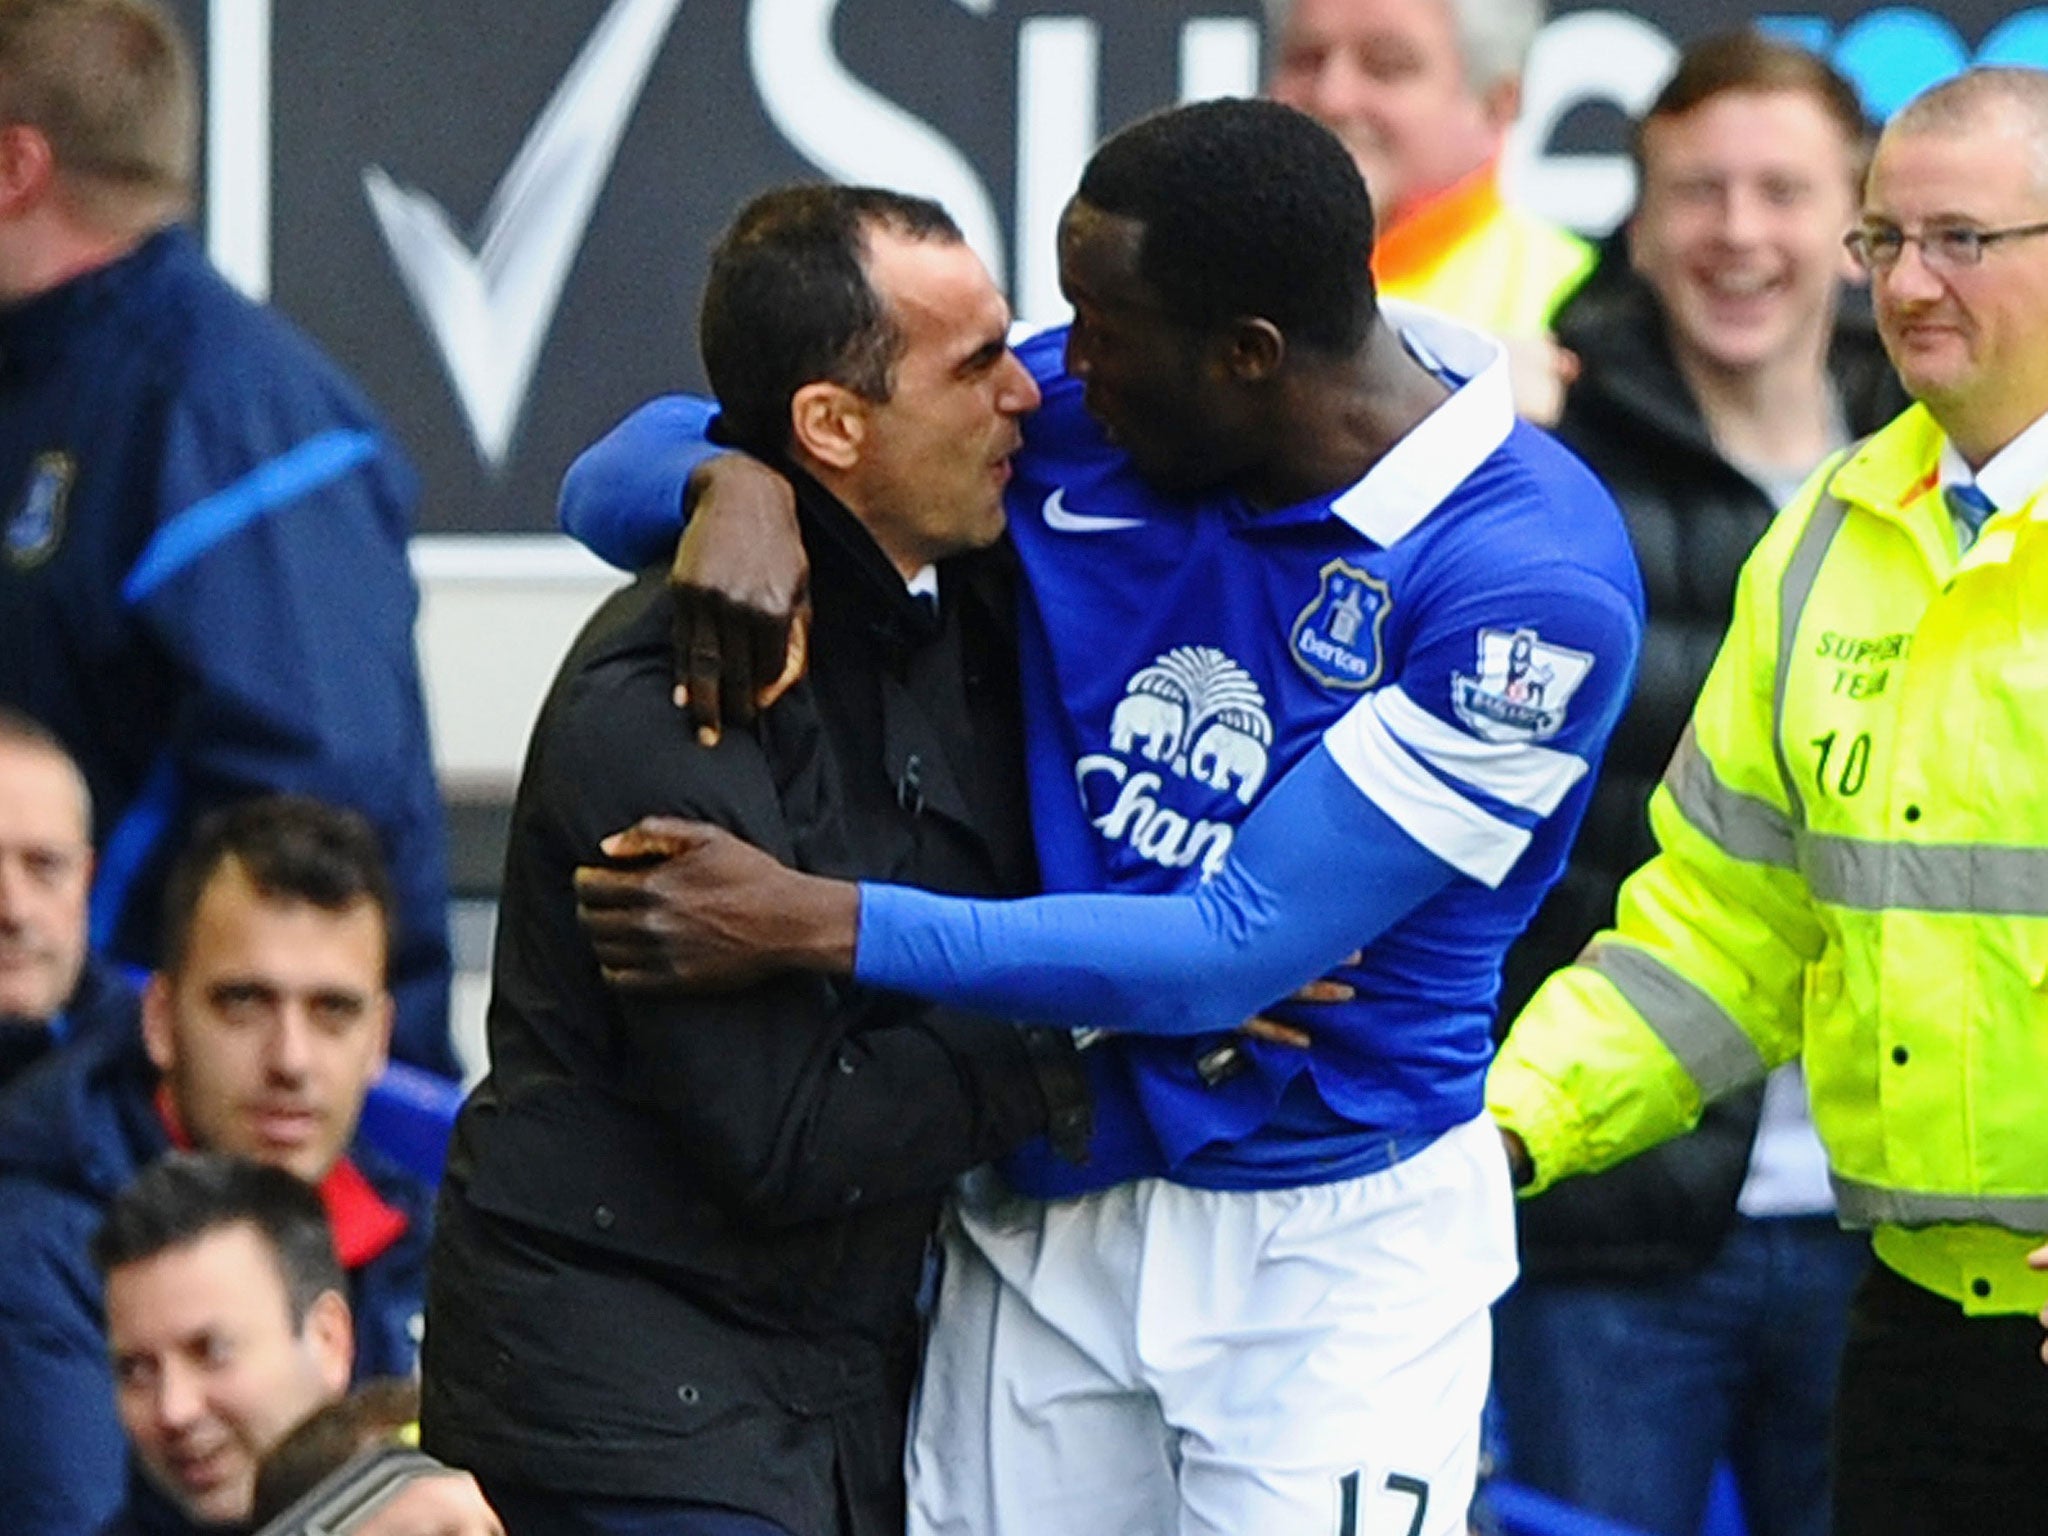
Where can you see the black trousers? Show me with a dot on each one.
(1941, 1428)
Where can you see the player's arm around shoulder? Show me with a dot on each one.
(613, 750)
(781, 1088)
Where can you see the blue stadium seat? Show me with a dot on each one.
(408, 1116)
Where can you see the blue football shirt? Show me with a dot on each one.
(1458, 629)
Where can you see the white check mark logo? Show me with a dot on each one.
(1060, 520)
(489, 312)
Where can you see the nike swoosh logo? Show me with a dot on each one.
(490, 310)
(1060, 520)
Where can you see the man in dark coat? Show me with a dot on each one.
(682, 1239)
(259, 1037)
(1688, 1306)
(204, 586)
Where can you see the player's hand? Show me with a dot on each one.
(690, 907)
(2038, 1259)
(447, 1504)
(741, 589)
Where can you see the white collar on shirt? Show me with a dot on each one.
(1448, 444)
(2011, 476)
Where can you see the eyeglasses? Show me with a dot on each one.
(1943, 247)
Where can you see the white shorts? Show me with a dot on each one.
(1154, 1360)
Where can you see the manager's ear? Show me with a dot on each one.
(828, 422)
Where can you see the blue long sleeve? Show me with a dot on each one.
(623, 497)
(1317, 871)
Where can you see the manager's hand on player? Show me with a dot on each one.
(741, 589)
(1325, 989)
(686, 906)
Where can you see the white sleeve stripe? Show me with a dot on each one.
(1519, 773)
(1470, 840)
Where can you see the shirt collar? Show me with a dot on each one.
(1415, 476)
(2012, 476)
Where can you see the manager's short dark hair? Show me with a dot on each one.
(185, 1196)
(1248, 208)
(292, 848)
(788, 303)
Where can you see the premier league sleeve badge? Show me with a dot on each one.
(1522, 686)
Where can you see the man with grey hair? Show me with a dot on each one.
(204, 589)
(50, 989)
(1423, 93)
(1853, 848)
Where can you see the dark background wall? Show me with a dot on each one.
(551, 174)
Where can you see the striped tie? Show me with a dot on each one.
(1969, 506)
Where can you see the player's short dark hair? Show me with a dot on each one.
(291, 848)
(1248, 208)
(1747, 60)
(788, 303)
(111, 85)
(185, 1196)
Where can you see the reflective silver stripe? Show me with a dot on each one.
(1981, 879)
(1741, 826)
(1702, 1034)
(1865, 1205)
(1801, 571)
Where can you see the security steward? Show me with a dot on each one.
(1853, 837)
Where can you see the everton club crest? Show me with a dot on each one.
(1337, 639)
(37, 523)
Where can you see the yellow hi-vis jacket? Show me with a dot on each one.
(1471, 255)
(1853, 869)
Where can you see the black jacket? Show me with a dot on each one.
(685, 1238)
(1693, 518)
